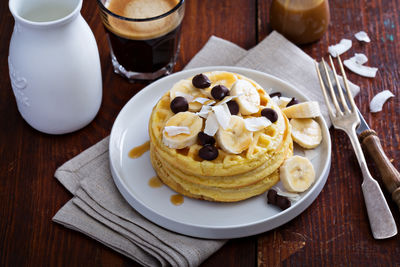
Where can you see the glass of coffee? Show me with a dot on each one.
(143, 35)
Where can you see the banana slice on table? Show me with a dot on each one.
(297, 174)
(191, 125)
(248, 97)
(308, 109)
(236, 138)
(306, 132)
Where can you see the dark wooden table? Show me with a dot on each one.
(334, 230)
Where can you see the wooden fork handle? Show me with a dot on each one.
(390, 176)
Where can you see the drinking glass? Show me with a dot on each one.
(143, 36)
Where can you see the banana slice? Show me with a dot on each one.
(248, 97)
(195, 106)
(236, 138)
(222, 77)
(186, 89)
(182, 88)
(308, 109)
(297, 174)
(191, 121)
(306, 132)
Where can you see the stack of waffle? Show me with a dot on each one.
(238, 169)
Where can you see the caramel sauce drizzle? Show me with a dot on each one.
(139, 150)
(155, 182)
(177, 199)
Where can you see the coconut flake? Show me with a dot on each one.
(188, 97)
(212, 125)
(291, 196)
(175, 130)
(200, 100)
(360, 58)
(340, 48)
(228, 98)
(256, 123)
(361, 70)
(275, 99)
(204, 111)
(210, 102)
(379, 99)
(362, 36)
(223, 115)
(281, 101)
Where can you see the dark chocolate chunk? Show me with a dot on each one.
(208, 152)
(270, 114)
(233, 107)
(271, 196)
(278, 94)
(219, 92)
(282, 202)
(205, 139)
(201, 81)
(179, 104)
(278, 200)
(292, 102)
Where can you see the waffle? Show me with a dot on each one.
(229, 177)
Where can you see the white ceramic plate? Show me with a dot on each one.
(196, 217)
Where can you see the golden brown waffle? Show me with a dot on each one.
(229, 177)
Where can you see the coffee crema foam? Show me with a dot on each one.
(141, 9)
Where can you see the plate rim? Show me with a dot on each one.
(218, 232)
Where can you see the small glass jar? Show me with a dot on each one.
(301, 21)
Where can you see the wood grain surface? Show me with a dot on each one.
(334, 230)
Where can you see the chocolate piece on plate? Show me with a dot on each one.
(271, 196)
(278, 94)
(282, 202)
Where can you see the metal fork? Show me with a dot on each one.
(344, 116)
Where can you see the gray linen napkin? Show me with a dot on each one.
(99, 211)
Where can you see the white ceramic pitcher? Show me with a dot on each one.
(54, 65)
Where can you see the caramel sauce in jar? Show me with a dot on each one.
(301, 21)
(155, 182)
(139, 150)
(177, 199)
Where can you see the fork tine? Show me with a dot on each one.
(346, 85)
(321, 82)
(343, 101)
(333, 95)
